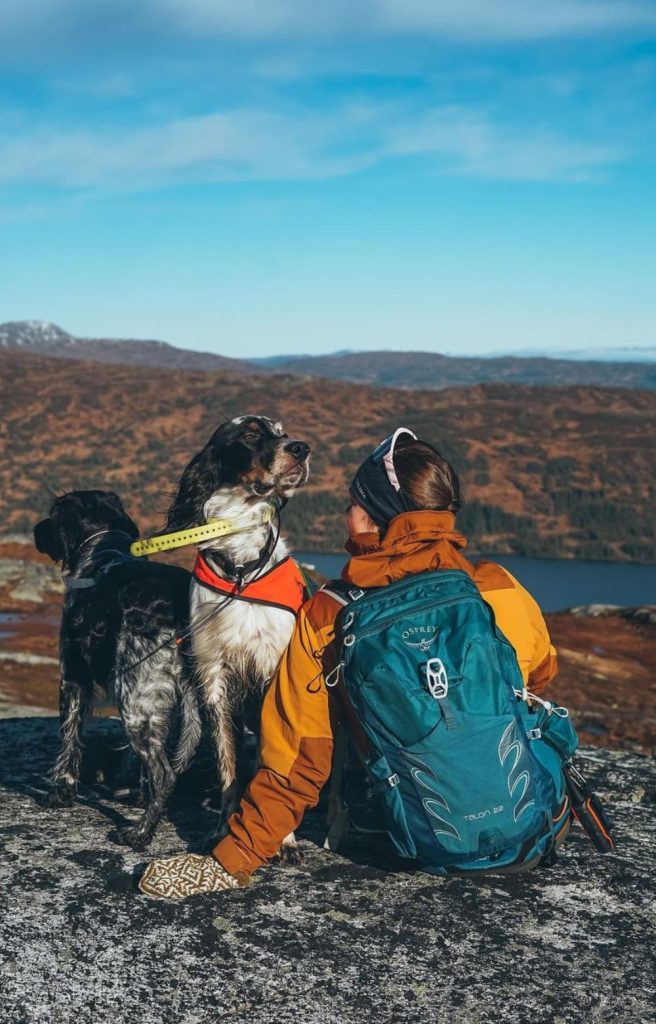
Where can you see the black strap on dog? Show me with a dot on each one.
(237, 571)
(102, 561)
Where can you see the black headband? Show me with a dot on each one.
(375, 486)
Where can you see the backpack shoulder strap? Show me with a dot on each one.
(342, 591)
(345, 594)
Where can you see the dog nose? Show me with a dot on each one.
(299, 449)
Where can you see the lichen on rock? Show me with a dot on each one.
(339, 938)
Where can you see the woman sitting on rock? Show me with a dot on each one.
(401, 521)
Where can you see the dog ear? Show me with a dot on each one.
(200, 480)
(46, 540)
(112, 498)
(127, 523)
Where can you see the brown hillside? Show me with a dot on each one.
(547, 471)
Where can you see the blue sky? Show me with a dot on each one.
(284, 176)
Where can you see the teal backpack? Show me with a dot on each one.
(468, 766)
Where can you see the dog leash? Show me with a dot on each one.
(168, 541)
(196, 534)
(189, 632)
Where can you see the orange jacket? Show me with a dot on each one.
(296, 739)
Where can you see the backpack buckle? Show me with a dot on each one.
(356, 594)
(534, 734)
(436, 678)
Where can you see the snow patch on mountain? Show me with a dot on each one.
(33, 334)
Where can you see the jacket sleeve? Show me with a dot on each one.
(541, 663)
(547, 668)
(296, 745)
(519, 618)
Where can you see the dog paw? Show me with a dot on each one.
(127, 795)
(135, 838)
(288, 856)
(59, 796)
(212, 801)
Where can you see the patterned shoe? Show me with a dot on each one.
(186, 875)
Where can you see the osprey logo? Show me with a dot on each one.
(420, 637)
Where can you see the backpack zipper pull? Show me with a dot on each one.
(332, 678)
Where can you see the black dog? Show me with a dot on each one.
(119, 628)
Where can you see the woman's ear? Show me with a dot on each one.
(46, 540)
(200, 480)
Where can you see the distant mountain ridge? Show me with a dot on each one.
(406, 370)
(412, 370)
(617, 354)
(42, 338)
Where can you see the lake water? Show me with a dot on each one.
(555, 584)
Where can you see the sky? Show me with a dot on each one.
(280, 176)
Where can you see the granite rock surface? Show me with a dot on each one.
(339, 938)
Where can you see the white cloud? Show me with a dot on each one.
(462, 19)
(116, 85)
(513, 19)
(304, 144)
(474, 146)
(265, 18)
(232, 146)
(78, 20)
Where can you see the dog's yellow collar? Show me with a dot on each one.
(195, 535)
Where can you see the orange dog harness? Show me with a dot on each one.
(283, 586)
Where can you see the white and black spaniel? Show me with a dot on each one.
(245, 590)
(120, 623)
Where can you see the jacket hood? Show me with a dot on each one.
(414, 542)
